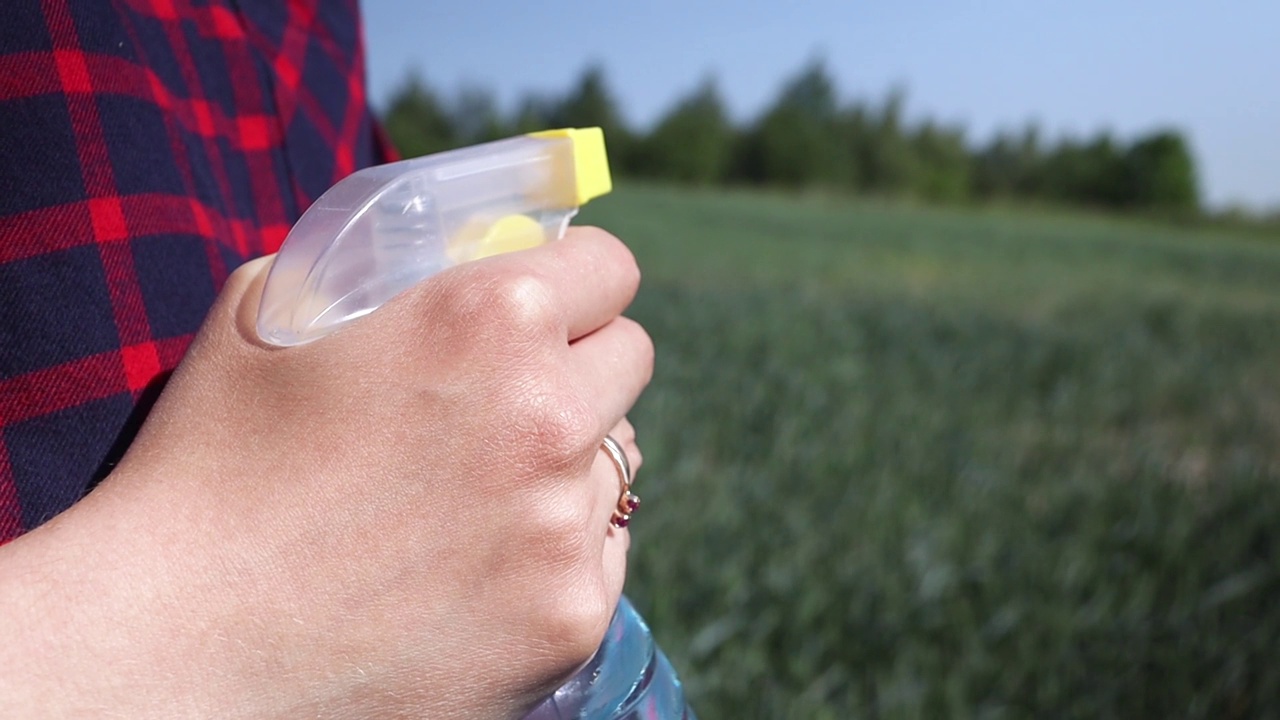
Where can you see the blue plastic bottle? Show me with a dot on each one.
(628, 679)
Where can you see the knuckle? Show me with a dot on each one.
(559, 529)
(558, 429)
(500, 305)
(580, 620)
(519, 301)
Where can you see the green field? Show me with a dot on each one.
(917, 463)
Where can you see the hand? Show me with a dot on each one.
(409, 517)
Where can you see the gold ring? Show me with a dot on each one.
(627, 503)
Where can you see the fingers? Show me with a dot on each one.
(600, 278)
(614, 363)
(590, 275)
(614, 558)
(613, 366)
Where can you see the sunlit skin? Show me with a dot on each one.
(407, 518)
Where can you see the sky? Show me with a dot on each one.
(1210, 69)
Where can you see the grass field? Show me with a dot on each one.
(917, 463)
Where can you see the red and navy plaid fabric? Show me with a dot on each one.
(147, 148)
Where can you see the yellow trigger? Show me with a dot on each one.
(508, 234)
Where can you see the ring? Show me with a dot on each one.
(627, 503)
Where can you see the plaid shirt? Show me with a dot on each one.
(147, 148)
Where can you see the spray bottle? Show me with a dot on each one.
(384, 229)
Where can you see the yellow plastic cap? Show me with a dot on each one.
(590, 161)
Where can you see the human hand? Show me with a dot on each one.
(409, 517)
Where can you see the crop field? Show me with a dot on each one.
(915, 463)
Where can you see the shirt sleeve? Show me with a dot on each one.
(146, 150)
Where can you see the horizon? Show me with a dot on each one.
(1194, 74)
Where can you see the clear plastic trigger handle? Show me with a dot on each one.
(386, 228)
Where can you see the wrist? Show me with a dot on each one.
(112, 608)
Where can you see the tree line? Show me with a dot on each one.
(808, 138)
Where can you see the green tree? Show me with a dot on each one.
(1010, 166)
(797, 142)
(806, 138)
(534, 113)
(692, 143)
(889, 163)
(811, 93)
(592, 104)
(1161, 173)
(944, 166)
(416, 121)
(855, 130)
(475, 116)
(1087, 173)
(1030, 176)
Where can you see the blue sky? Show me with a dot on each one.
(1210, 69)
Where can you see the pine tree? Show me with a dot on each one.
(416, 121)
(692, 143)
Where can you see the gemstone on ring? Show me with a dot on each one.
(627, 504)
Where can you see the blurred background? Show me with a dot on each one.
(968, 327)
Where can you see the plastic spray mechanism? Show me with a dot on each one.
(387, 228)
